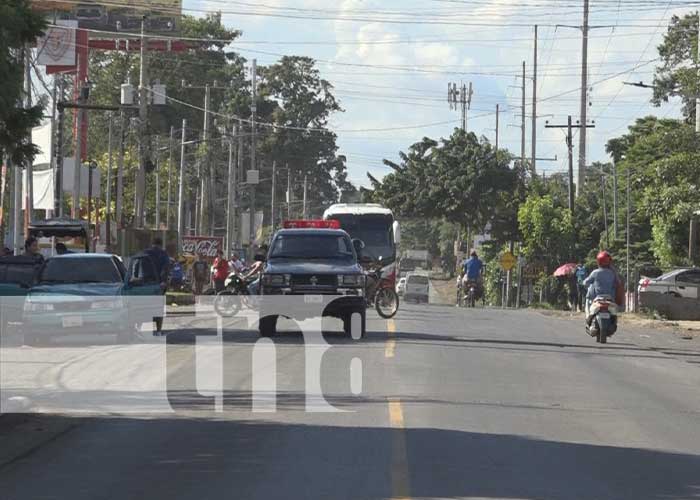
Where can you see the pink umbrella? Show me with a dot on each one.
(565, 270)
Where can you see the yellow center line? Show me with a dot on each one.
(400, 486)
(391, 341)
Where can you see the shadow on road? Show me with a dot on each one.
(178, 458)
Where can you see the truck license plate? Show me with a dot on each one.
(313, 299)
(72, 321)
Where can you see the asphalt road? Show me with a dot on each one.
(450, 403)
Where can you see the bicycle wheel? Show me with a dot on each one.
(386, 302)
(227, 303)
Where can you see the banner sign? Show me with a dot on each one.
(57, 46)
(208, 246)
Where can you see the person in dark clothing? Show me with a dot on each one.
(62, 249)
(199, 274)
(31, 249)
(162, 263)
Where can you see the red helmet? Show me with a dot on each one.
(604, 259)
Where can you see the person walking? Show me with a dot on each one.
(220, 271)
(161, 261)
(581, 274)
(199, 274)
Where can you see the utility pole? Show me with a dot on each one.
(534, 107)
(697, 99)
(305, 206)
(58, 151)
(143, 131)
(17, 205)
(498, 114)
(584, 101)
(29, 201)
(570, 147)
(82, 91)
(170, 175)
(231, 195)
(605, 209)
(181, 189)
(240, 178)
(615, 198)
(108, 208)
(120, 173)
(522, 130)
(289, 193)
(274, 187)
(157, 182)
(627, 222)
(253, 143)
(205, 195)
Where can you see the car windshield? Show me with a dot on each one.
(312, 246)
(374, 231)
(418, 280)
(79, 270)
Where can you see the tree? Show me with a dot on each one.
(547, 229)
(459, 178)
(19, 26)
(677, 75)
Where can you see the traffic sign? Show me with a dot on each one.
(508, 261)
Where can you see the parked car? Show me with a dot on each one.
(17, 275)
(401, 287)
(417, 288)
(679, 283)
(91, 293)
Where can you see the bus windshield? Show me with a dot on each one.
(374, 230)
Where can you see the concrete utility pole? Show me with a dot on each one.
(240, 178)
(534, 108)
(305, 206)
(498, 114)
(605, 209)
(697, 99)
(253, 142)
(75, 211)
(59, 156)
(289, 193)
(614, 172)
(170, 175)
(143, 131)
(570, 147)
(627, 222)
(118, 209)
(29, 201)
(181, 188)
(230, 196)
(52, 145)
(108, 208)
(157, 162)
(522, 130)
(205, 227)
(274, 187)
(584, 101)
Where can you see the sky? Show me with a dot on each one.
(390, 63)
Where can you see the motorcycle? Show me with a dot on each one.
(472, 292)
(602, 318)
(381, 294)
(228, 301)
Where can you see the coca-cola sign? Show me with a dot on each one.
(208, 246)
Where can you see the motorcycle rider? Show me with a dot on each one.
(472, 270)
(602, 281)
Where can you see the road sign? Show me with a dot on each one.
(508, 261)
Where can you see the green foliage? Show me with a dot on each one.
(19, 26)
(547, 230)
(459, 178)
(677, 74)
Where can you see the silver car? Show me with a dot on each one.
(679, 283)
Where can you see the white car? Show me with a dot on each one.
(401, 287)
(679, 283)
(417, 288)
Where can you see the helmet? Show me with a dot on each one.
(604, 259)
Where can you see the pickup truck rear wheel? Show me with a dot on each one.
(347, 324)
(267, 326)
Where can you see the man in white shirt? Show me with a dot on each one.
(235, 263)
